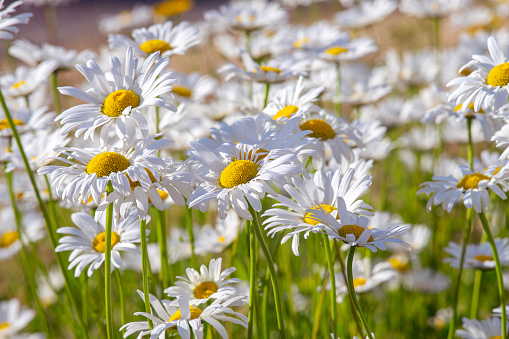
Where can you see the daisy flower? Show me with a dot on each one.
(117, 98)
(308, 39)
(216, 239)
(26, 120)
(476, 329)
(478, 256)
(308, 192)
(501, 138)
(341, 51)
(488, 84)
(7, 22)
(193, 86)
(426, 280)
(353, 229)
(87, 241)
(164, 38)
(366, 13)
(13, 317)
(472, 186)
(33, 230)
(432, 8)
(207, 284)
(185, 318)
(25, 80)
(235, 173)
(93, 168)
(139, 15)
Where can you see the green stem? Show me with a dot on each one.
(470, 148)
(474, 309)
(332, 278)
(337, 105)
(273, 277)
(107, 265)
(466, 237)
(144, 260)
(189, 225)
(252, 280)
(267, 88)
(498, 269)
(121, 297)
(319, 310)
(54, 90)
(352, 292)
(160, 219)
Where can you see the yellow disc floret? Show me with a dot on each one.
(336, 50)
(19, 84)
(266, 69)
(4, 326)
(8, 238)
(4, 124)
(195, 314)
(359, 282)
(353, 229)
(237, 173)
(100, 241)
(321, 129)
(116, 102)
(483, 257)
(205, 290)
(286, 112)
(499, 75)
(173, 7)
(496, 337)
(300, 42)
(471, 181)
(399, 264)
(183, 91)
(156, 45)
(104, 164)
(326, 208)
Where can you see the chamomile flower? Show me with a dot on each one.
(476, 329)
(366, 13)
(185, 317)
(353, 229)
(25, 80)
(87, 241)
(487, 85)
(306, 193)
(346, 51)
(308, 39)
(426, 280)
(478, 256)
(93, 168)
(501, 138)
(26, 120)
(216, 239)
(235, 173)
(13, 317)
(472, 187)
(8, 22)
(193, 87)
(117, 98)
(166, 39)
(209, 283)
(10, 242)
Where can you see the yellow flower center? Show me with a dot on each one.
(319, 128)
(300, 42)
(499, 75)
(221, 239)
(266, 69)
(336, 50)
(398, 264)
(116, 102)
(358, 282)
(439, 323)
(8, 238)
(470, 107)
(156, 45)
(183, 91)
(173, 7)
(4, 124)
(353, 229)
(3, 326)
(237, 173)
(496, 337)
(100, 241)
(195, 314)
(483, 257)
(471, 181)
(241, 18)
(19, 84)
(286, 112)
(103, 164)
(205, 290)
(326, 208)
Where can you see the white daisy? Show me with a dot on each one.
(193, 86)
(488, 84)
(26, 120)
(341, 51)
(216, 239)
(366, 13)
(432, 8)
(164, 38)
(93, 168)
(235, 173)
(308, 39)
(308, 192)
(472, 186)
(480, 329)
(426, 280)
(13, 317)
(7, 21)
(501, 138)
(200, 287)
(139, 15)
(87, 241)
(32, 230)
(117, 98)
(25, 80)
(478, 256)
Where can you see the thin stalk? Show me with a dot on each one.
(252, 280)
(107, 265)
(51, 204)
(160, 219)
(474, 309)
(498, 269)
(144, 260)
(272, 269)
(319, 310)
(248, 50)
(189, 225)
(352, 292)
(337, 105)
(330, 264)
(84, 303)
(455, 300)
(54, 90)
(470, 148)
(267, 88)
(121, 297)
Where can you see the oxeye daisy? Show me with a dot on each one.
(87, 241)
(489, 328)
(13, 317)
(217, 239)
(366, 13)
(25, 80)
(234, 173)
(26, 120)
(185, 317)
(472, 186)
(426, 280)
(10, 242)
(91, 169)
(308, 192)
(487, 85)
(7, 21)
(478, 256)
(209, 283)
(117, 98)
(193, 87)
(341, 51)
(353, 229)
(166, 39)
